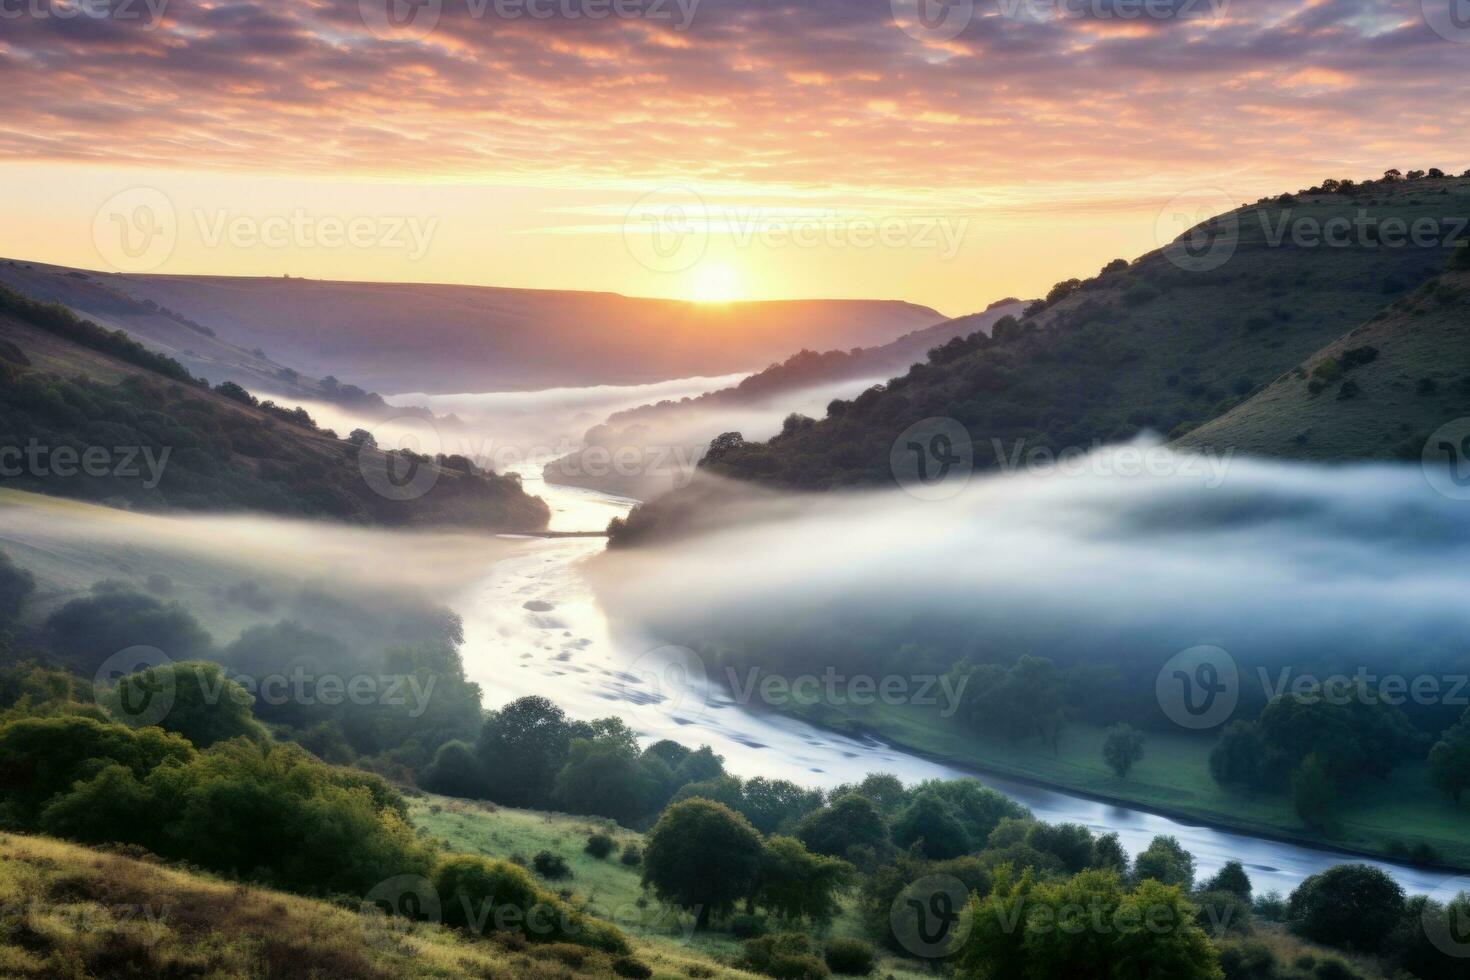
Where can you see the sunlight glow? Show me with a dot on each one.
(714, 282)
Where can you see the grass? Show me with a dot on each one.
(609, 889)
(70, 911)
(1174, 778)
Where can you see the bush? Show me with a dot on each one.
(850, 957)
(747, 926)
(551, 866)
(785, 956)
(1353, 906)
(632, 857)
(599, 845)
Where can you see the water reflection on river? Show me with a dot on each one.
(535, 627)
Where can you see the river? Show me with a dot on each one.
(534, 626)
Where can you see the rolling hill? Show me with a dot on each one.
(1165, 343)
(405, 337)
(1374, 393)
(93, 415)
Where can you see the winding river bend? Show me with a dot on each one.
(534, 626)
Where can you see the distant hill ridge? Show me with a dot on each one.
(446, 339)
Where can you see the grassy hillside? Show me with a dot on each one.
(71, 911)
(1164, 343)
(1376, 392)
(197, 346)
(609, 887)
(165, 441)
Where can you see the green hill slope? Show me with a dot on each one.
(75, 911)
(1173, 339)
(1374, 393)
(91, 414)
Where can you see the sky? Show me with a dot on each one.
(945, 153)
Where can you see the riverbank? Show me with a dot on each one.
(1173, 780)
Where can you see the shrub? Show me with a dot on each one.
(785, 956)
(550, 866)
(1354, 906)
(632, 857)
(850, 957)
(748, 926)
(599, 845)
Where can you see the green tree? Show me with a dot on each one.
(16, 585)
(773, 805)
(88, 630)
(847, 822)
(1165, 861)
(702, 857)
(455, 771)
(979, 807)
(1353, 906)
(1449, 760)
(1122, 748)
(205, 706)
(1313, 791)
(522, 747)
(603, 776)
(1231, 878)
(795, 883)
(41, 758)
(932, 824)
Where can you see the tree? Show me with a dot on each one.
(16, 585)
(1086, 926)
(603, 776)
(88, 630)
(699, 765)
(1122, 747)
(455, 771)
(776, 804)
(702, 857)
(979, 807)
(1108, 853)
(1165, 861)
(1069, 843)
(205, 707)
(1449, 760)
(933, 825)
(522, 747)
(724, 444)
(1238, 757)
(794, 883)
(1351, 905)
(1313, 791)
(847, 822)
(1231, 878)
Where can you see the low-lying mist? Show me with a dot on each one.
(1288, 565)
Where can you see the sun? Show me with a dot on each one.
(714, 282)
